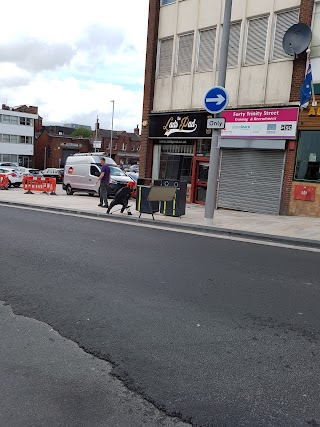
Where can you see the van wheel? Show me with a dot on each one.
(69, 190)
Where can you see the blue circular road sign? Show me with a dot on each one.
(216, 100)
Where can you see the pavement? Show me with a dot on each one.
(216, 332)
(48, 381)
(296, 230)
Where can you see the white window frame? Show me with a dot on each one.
(159, 55)
(198, 45)
(189, 33)
(285, 57)
(246, 40)
(239, 46)
(166, 4)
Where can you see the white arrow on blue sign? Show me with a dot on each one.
(216, 100)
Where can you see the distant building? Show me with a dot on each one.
(58, 130)
(55, 144)
(17, 131)
(125, 145)
(77, 126)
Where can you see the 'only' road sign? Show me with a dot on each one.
(216, 123)
(216, 100)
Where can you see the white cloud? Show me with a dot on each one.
(71, 59)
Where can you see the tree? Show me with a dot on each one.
(85, 133)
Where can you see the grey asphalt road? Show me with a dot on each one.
(47, 381)
(217, 332)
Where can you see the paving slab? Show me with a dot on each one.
(299, 228)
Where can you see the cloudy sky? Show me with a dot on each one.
(71, 58)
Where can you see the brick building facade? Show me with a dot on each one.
(149, 83)
(299, 70)
(52, 148)
(125, 148)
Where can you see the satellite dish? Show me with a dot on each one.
(297, 39)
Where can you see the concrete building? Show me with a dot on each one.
(17, 134)
(263, 83)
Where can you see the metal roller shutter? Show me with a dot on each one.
(251, 180)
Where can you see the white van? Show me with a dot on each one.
(82, 170)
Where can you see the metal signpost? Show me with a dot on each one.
(214, 99)
(112, 118)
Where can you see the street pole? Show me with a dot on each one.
(111, 139)
(45, 158)
(211, 197)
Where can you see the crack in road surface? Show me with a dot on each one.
(48, 381)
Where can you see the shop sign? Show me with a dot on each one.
(96, 144)
(172, 141)
(270, 123)
(305, 193)
(70, 145)
(179, 125)
(314, 112)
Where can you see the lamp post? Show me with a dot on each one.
(216, 134)
(111, 138)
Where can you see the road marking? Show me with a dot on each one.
(175, 230)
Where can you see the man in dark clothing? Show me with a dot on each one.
(104, 179)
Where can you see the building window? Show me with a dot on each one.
(14, 120)
(256, 41)
(5, 118)
(308, 157)
(185, 54)
(5, 138)
(132, 148)
(138, 148)
(14, 139)
(284, 21)
(124, 147)
(165, 57)
(25, 140)
(165, 2)
(234, 45)
(115, 146)
(207, 40)
(26, 121)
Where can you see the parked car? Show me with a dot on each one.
(83, 170)
(118, 179)
(134, 168)
(14, 175)
(133, 175)
(9, 164)
(53, 173)
(36, 173)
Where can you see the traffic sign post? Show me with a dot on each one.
(216, 100)
(215, 104)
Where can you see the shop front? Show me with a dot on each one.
(305, 195)
(181, 150)
(253, 152)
